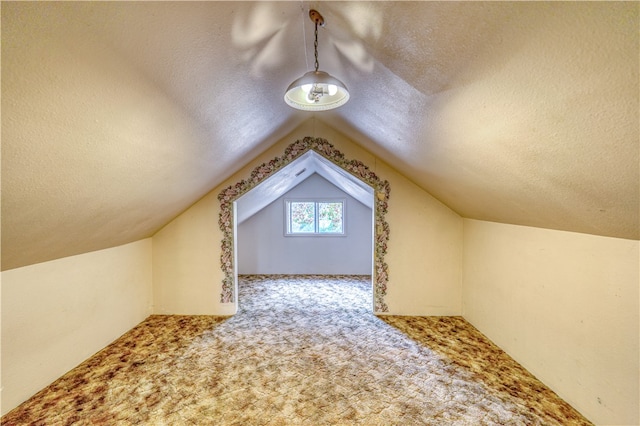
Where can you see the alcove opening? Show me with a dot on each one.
(309, 158)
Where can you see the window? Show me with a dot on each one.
(314, 217)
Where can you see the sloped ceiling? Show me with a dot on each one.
(292, 175)
(117, 116)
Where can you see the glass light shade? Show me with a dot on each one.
(314, 92)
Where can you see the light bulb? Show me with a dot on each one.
(333, 89)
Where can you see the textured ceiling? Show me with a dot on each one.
(116, 116)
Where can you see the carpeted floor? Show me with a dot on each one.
(303, 350)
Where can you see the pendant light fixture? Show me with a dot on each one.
(316, 90)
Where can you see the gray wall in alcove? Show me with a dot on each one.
(263, 247)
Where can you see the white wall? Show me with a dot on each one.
(263, 247)
(565, 306)
(57, 314)
(424, 259)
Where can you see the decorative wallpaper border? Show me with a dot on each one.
(322, 147)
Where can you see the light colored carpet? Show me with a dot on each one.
(303, 350)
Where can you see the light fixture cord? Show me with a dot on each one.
(304, 37)
(315, 46)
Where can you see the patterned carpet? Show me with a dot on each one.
(302, 350)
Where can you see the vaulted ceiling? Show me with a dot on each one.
(292, 175)
(117, 116)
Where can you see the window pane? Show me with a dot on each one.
(330, 217)
(302, 217)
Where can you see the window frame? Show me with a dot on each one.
(316, 233)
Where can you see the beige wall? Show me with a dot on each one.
(187, 278)
(56, 314)
(425, 251)
(565, 306)
(424, 259)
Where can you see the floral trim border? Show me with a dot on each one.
(322, 147)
